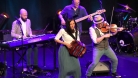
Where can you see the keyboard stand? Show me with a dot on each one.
(21, 55)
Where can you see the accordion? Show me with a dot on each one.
(77, 50)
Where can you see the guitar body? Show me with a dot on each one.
(77, 50)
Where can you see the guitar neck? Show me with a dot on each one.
(83, 18)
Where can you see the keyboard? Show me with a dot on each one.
(30, 40)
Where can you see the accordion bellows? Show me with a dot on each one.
(77, 50)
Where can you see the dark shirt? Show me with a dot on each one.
(69, 12)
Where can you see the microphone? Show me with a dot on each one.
(100, 1)
(18, 21)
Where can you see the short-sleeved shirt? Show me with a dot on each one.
(70, 12)
(65, 36)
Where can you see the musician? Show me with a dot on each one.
(73, 10)
(16, 33)
(101, 46)
(68, 65)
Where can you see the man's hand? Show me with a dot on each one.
(107, 35)
(20, 37)
(32, 35)
(120, 29)
(24, 37)
(83, 45)
(90, 17)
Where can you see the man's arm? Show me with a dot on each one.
(14, 30)
(63, 12)
(62, 19)
(99, 39)
(94, 37)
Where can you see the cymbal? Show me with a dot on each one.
(126, 7)
(121, 10)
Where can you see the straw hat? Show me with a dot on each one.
(98, 19)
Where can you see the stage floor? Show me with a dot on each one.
(127, 66)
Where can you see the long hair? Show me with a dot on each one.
(68, 28)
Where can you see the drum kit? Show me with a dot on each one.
(127, 40)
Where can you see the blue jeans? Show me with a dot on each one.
(97, 54)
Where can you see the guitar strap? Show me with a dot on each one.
(78, 10)
(77, 14)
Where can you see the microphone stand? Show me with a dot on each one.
(102, 8)
(20, 25)
(45, 28)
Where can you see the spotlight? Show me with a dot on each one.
(3, 19)
(59, 11)
(127, 7)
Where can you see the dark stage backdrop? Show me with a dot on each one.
(43, 12)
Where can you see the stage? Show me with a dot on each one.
(127, 66)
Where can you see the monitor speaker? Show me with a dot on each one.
(102, 68)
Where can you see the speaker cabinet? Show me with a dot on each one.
(102, 68)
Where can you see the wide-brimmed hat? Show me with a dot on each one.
(98, 19)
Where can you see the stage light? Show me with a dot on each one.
(59, 11)
(126, 7)
(5, 15)
(3, 19)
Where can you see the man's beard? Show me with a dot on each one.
(24, 20)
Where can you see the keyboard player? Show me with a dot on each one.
(16, 33)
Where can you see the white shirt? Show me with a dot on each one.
(23, 27)
(65, 36)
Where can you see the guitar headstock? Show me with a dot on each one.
(100, 11)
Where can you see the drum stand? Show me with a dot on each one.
(135, 51)
(120, 19)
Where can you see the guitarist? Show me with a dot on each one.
(74, 11)
(68, 65)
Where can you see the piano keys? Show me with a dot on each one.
(28, 41)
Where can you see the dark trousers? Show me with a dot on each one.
(32, 49)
